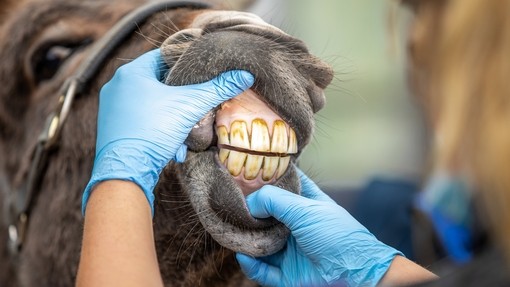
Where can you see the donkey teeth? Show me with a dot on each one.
(223, 154)
(270, 166)
(260, 140)
(279, 141)
(292, 149)
(222, 133)
(252, 166)
(282, 166)
(235, 162)
(239, 135)
(223, 139)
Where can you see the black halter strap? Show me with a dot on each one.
(21, 200)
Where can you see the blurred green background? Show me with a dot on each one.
(370, 126)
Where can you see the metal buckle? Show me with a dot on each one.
(68, 91)
(17, 233)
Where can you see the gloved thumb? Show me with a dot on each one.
(180, 155)
(150, 65)
(281, 204)
(258, 271)
(201, 98)
(230, 84)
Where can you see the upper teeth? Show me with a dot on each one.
(271, 149)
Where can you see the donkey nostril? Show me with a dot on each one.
(254, 143)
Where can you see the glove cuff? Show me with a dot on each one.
(372, 275)
(121, 162)
(372, 261)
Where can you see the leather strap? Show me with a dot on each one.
(21, 200)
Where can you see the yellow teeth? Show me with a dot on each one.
(292, 142)
(235, 162)
(252, 166)
(282, 166)
(223, 137)
(239, 135)
(260, 140)
(279, 141)
(282, 141)
(270, 166)
(223, 154)
(223, 140)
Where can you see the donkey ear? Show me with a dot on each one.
(240, 5)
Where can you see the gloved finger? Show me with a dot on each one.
(256, 270)
(281, 204)
(228, 85)
(310, 190)
(201, 98)
(180, 155)
(149, 65)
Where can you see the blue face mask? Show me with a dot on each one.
(446, 199)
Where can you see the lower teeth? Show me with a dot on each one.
(253, 165)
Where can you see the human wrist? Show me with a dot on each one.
(404, 272)
(117, 234)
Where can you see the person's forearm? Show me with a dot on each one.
(403, 272)
(118, 242)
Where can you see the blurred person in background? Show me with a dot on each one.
(459, 63)
(458, 67)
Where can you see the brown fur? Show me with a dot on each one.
(188, 256)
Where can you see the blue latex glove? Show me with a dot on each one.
(142, 123)
(327, 246)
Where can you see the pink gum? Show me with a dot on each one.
(250, 186)
(246, 107)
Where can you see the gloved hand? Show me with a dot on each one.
(327, 246)
(142, 123)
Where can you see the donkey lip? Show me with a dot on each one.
(222, 209)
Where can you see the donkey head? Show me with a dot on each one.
(253, 139)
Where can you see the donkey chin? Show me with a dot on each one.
(253, 139)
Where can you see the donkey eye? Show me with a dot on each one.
(48, 60)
